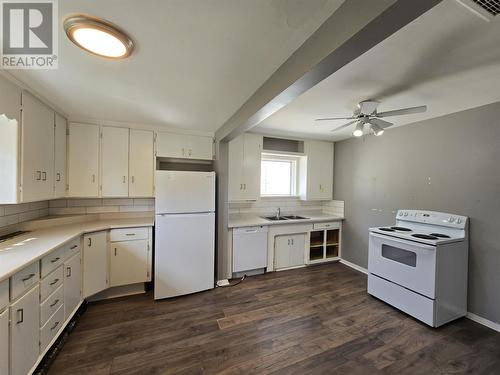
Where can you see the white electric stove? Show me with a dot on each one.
(419, 265)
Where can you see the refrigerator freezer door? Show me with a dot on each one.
(184, 192)
(184, 254)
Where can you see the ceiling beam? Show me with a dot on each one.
(354, 28)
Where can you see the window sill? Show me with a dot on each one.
(278, 197)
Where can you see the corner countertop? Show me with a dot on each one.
(23, 250)
(249, 220)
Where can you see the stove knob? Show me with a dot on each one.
(406, 213)
(400, 213)
(451, 219)
(459, 221)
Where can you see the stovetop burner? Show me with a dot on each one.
(402, 229)
(424, 236)
(387, 229)
(440, 235)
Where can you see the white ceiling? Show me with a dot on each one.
(196, 61)
(448, 59)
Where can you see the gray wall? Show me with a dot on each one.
(450, 164)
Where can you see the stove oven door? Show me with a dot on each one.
(407, 263)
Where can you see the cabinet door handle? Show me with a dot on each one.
(124, 179)
(54, 282)
(58, 177)
(129, 234)
(68, 271)
(20, 316)
(54, 303)
(115, 251)
(93, 178)
(55, 260)
(44, 176)
(133, 179)
(54, 326)
(73, 247)
(244, 186)
(90, 241)
(288, 242)
(183, 153)
(190, 151)
(38, 175)
(31, 275)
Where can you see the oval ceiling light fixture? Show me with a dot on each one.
(99, 37)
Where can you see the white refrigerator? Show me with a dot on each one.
(184, 233)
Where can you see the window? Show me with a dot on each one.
(278, 175)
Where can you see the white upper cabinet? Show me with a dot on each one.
(316, 171)
(181, 146)
(10, 131)
(114, 162)
(244, 167)
(83, 160)
(37, 150)
(141, 163)
(60, 156)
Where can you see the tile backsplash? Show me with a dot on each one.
(77, 206)
(287, 205)
(17, 213)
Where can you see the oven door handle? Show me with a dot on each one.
(419, 245)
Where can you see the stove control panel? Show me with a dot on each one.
(432, 217)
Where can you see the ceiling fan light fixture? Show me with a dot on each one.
(98, 36)
(377, 130)
(358, 131)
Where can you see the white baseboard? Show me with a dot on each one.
(484, 321)
(476, 318)
(354, 266)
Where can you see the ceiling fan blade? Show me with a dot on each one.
(334, 118)
(368, 107)
(403, 111)
(383, 124)
(344, 126)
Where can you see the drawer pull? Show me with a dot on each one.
(31, 275)
(129, 234)
(20, 316)
(55, 260)
(73, 247)
(54, 282)
(55, 303)
(68, 271)
(54, 326)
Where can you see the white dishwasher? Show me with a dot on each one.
(249, 248)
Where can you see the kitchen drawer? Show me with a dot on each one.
(53, 260)
(330, 225)
(4, 294)
(24, 279)
(50, 283)
(51, 305)
(72, 247)
(128, 234)
(49, 330)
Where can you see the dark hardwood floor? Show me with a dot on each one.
(315, 320)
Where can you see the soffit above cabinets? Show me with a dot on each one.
(447, 59)
(195, 63)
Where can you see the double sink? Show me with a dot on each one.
(286, 217)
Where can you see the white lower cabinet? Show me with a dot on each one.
(289, 250)
(4, 342)
(24, 332)
(128, 262)
(49, 330)
(95, 263)
(130, 256)
(72, 284)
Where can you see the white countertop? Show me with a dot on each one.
(23, 250)
(249, 220)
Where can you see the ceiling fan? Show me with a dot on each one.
(366, 113)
